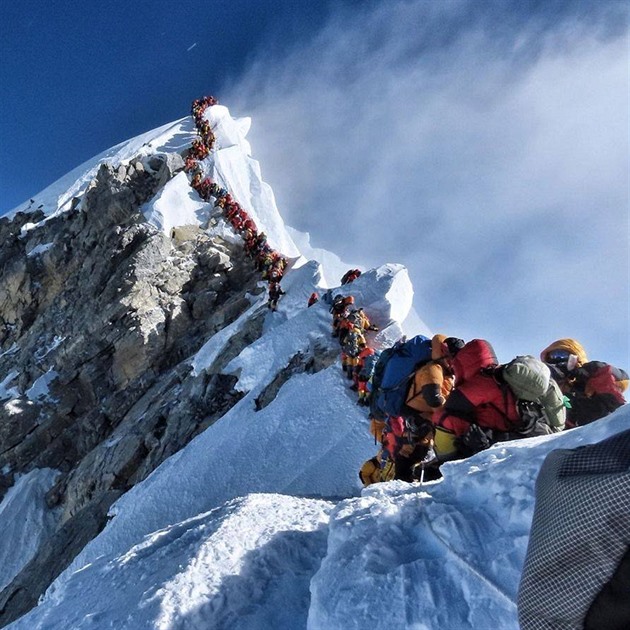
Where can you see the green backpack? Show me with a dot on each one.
(539, 397)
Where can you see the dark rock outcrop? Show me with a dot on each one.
(99, 315)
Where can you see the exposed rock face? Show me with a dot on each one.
(98, 313)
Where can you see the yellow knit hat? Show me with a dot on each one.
(570, 345)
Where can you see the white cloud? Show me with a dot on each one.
(502, 150)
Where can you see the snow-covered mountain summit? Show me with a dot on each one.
(175, 455)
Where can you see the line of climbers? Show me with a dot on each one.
(431, 400)
(440, 399)
(268, 261)
(350, 276)
(350, 326)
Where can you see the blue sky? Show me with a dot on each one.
(80, 77)
(482, 144)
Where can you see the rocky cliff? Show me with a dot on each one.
(98, 312)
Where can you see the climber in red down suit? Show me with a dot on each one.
(478, 399)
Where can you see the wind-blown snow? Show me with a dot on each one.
(332, 270)
(261, 520)
(333, 266)
(233, 167)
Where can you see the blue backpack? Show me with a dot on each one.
(393, 371)
(369, 365)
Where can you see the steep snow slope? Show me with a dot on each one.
(24, 521)
(231, 166)
(310, 440)
(444, 555)
(57, 197)
(247, 564)
(448, 555)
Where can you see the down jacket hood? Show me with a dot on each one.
(472, 358)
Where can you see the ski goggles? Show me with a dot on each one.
(557, 356)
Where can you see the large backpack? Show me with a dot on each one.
(377, 469)
(371, 471)
(353, 343)
(392, 373)
(539, 398)
(369, 365)
(377, 377)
